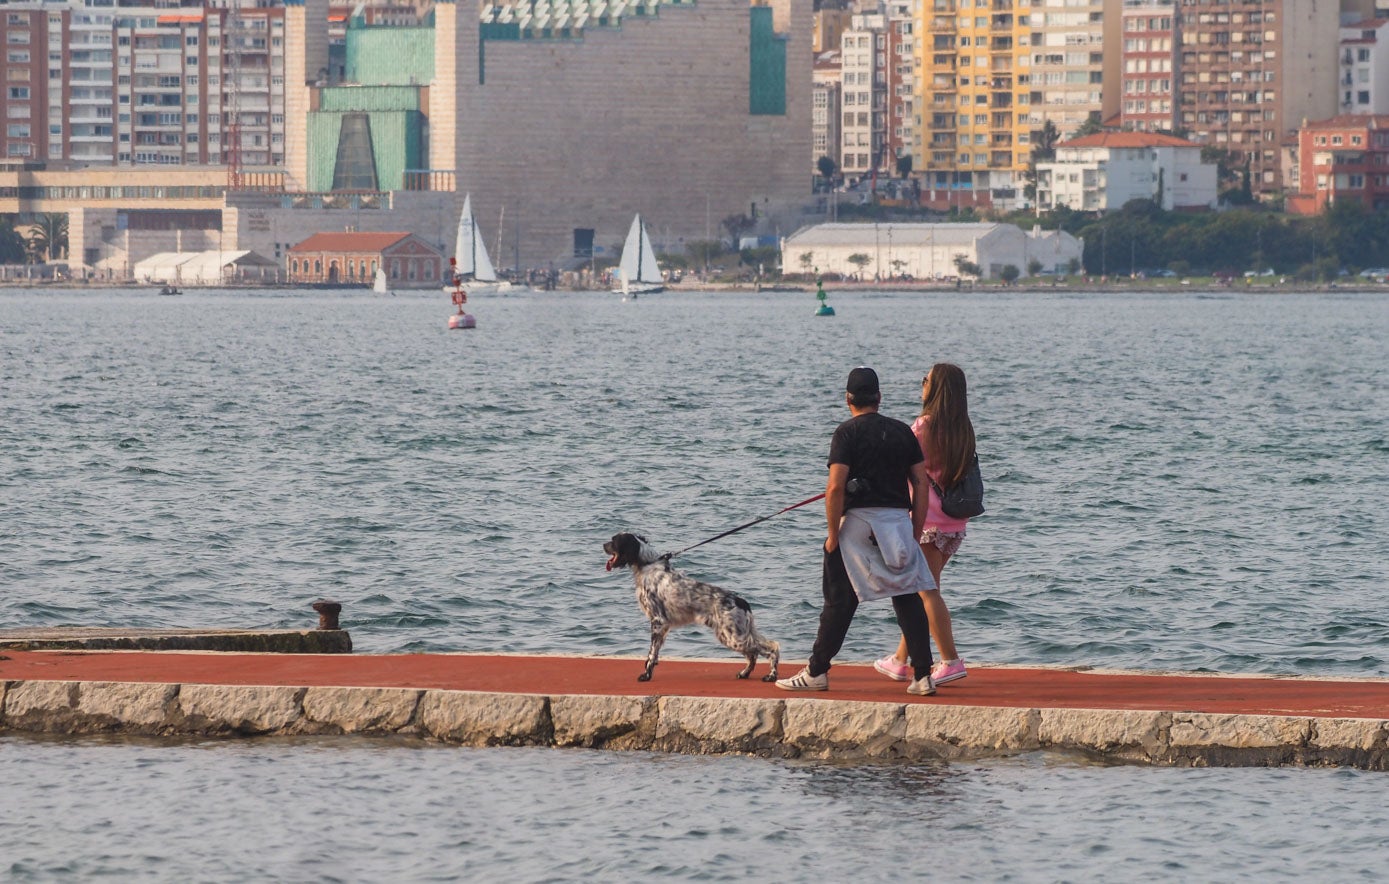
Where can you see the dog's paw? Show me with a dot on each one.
(742, 675)
(645, 676)
(770, 676)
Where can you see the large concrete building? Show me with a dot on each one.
(684, 112)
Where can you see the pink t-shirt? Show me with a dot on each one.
(935, 516)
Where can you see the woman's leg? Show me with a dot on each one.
(936, 611)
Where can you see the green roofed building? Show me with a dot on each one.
(365, 134)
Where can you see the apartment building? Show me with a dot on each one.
(1067, 71)
(25, 102)
(899, 132)
(863, 63)
(975, 91)
(825, 109)
(1344, 158)
(1251, 71)
(155, 83)
(1363, 82)
(1104, 171)
(1146, 100)
(827, 29)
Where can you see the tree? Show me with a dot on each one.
(1009, 273)
(737, 225)
(11, 244)
(1073, 266)
(1044, 141)
(806, 259)
(1091, 126)
(1034, 267)
(965, 266)
(904, 166)
(703, 251)
(48, 237)
(860, 260)
(827, 168)
(1043, 150)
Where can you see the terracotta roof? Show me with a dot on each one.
(1128, 139)
(1350, 121)
(349, 242)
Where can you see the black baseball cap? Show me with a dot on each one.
(863, 382)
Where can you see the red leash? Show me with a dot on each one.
(793, 506)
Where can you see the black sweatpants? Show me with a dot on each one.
(838, 613)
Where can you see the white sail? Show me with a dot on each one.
(638, 264)
(468, 248)
(381, 287)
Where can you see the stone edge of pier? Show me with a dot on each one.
(266, 641)
(791, 727)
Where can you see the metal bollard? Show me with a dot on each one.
(328, 611)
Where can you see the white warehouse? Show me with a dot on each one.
(925, 251)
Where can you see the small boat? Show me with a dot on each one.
(381, 286)
(637, 272)
(471, 265)
(170, 290)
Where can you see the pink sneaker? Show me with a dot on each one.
(892, 669)
(948, 671)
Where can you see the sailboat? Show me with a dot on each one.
(637, 273)
(381, 286)
(472, 267)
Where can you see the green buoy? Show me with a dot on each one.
(824, 309)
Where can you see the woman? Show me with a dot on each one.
(947, 440)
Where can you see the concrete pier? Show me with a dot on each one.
(696, 706)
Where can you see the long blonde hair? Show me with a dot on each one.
(949, 435)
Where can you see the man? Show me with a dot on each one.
(875, 504)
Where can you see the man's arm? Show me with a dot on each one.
(834, 503)
(921, 483)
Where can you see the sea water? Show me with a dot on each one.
(1175, 480)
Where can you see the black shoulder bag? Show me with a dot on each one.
(965, 499)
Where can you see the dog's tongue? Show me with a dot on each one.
(612, 559)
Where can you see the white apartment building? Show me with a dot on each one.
(825, 109)
(1102, 172)
(1363, 80)
(863, 60)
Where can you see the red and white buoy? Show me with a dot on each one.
(461, 319)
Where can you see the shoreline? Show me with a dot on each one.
(790, 287)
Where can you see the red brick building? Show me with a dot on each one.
(352, 259)
(1343, 158)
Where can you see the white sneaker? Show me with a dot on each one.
(925, 686)
(804, 681)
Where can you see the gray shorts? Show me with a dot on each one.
(948, 542)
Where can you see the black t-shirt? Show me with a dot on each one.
(879, 452)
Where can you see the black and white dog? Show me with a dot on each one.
(670, 599)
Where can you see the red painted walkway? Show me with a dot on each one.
(1003, 687)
